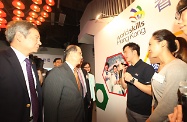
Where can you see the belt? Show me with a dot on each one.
(30, 118)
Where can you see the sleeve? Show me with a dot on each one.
(169, 98)
(53, 87)
(88, 94)
(148, 73)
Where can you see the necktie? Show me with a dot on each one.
(81, 77)
(34, 98)
(77, 78)
(116, 75)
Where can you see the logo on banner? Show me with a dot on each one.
(161, 4)
(138, 14)
(137, 28)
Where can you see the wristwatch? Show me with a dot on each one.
(132, 81)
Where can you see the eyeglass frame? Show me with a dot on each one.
(87, 67)
(178, 13)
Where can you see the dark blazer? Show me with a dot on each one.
(87, 99)
(62, 99)
(15, 101)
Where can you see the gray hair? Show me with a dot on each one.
(69, 49)
(22, 26)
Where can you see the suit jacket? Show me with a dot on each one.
(15, 101)
(62, 99)
(87, 98)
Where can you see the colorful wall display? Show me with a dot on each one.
(135, 24)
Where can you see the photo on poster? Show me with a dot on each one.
(114, 67)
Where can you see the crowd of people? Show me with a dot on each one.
(67, 93)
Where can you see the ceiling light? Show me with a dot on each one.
(37, 22)
(37, 1)
(2, 13)
(33, 14)
(44, 14)
(1, 5)
(2, 20)
(34, 24)
(41, 19)
(16, 18)
(2, 25)
(35, 8)
(18, 4)
(30, 19)
(50, 2)
(18, 13)
(47, 8)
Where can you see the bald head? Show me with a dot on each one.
(73, 55)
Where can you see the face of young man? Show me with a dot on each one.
(115, 69)
(128, 54)
(58, 63)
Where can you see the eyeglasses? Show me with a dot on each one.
(178, 13)
(86, 67)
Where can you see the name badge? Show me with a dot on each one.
(158, 77)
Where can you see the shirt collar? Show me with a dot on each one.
(20, 56)
(71, 66)
(138, 63)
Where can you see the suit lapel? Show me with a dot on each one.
(70, 75)
(37, 78)
(16, 67)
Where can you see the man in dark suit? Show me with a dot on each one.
(15, 91)
(83, 76)
(63, 101)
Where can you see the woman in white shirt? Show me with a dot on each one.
(91, 78)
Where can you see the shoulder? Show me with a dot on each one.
(177, 66)
(177, 63)
(90, 75)
(147, 66)
(4, 52)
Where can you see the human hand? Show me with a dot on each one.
(176, 116)
(127, 76)
(120, 67)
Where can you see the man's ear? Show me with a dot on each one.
(134, 52)
(19, 36)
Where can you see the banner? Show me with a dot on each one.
(135, 24)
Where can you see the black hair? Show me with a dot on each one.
(84, 63)
(56, 59)
(107, 64)
(181, 5)
(167, 35)
(181, 53)
(114, 66)
(133, 46)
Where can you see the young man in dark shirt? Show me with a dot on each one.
(137, 79)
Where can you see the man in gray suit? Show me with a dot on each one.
(63, 101)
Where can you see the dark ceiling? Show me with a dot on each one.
(54, 35)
